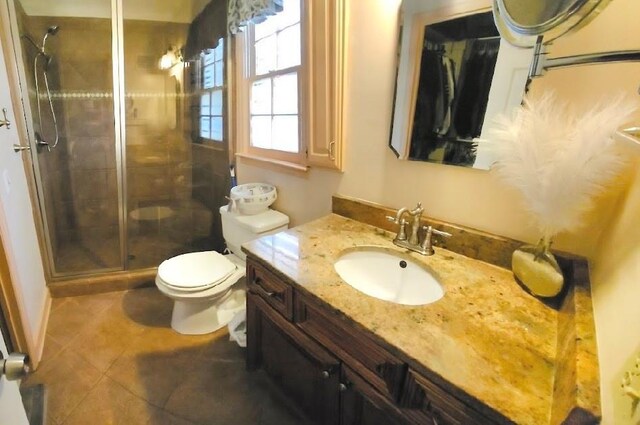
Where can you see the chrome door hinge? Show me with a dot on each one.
(5, 121)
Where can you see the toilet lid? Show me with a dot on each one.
(195, 270)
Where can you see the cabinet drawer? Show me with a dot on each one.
(265, 284)
(425, 402)
(376, 365)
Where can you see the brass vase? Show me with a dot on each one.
(537, 269)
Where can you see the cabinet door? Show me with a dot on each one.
(326, 75)
(361, 404)
(303, 369)
(355, 348)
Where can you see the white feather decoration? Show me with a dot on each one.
(557, 160)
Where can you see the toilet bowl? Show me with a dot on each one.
(207, 287)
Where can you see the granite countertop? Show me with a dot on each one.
(487, 337)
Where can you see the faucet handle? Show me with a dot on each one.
(437, 232)
(427, 243)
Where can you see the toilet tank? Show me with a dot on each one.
(238, 229)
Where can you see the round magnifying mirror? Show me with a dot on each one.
(519, 22)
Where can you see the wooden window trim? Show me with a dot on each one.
(321, 90)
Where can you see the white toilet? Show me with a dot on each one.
(202, 283)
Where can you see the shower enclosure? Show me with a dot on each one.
(126, 113)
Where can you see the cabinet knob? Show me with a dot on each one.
(325, 374)
(343, 387)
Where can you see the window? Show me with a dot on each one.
(282, 103)
(273, 76)
(211, 104)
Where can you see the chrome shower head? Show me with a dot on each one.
(52, 30)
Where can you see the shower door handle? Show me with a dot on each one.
(4, 121)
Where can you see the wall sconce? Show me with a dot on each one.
(172, 56)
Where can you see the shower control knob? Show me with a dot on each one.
(15, 366)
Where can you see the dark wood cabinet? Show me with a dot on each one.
(362, 404)
(302, 368)
(335, 372)
(379, 367)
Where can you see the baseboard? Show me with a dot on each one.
(38, 344)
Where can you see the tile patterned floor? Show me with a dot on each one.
(114, 359)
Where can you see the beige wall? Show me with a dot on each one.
(615, 255)
(475, 198)
(616, 284)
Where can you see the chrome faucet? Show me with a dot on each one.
(413, 241)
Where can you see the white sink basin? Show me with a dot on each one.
(388, 276)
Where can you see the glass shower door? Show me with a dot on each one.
(67, 59)
(177, 173)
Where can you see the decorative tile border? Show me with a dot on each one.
(109, 95)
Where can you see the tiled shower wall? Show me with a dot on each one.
(78, 177)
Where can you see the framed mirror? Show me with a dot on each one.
(455, 74)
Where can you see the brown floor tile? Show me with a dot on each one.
(154, 340)
(162, 417)
(106, 339)
(77, 314)
(154, 374)
(57, 302)
(226, 393)
(67, 381)
(147, 307)
(109, 403)
(221, 349)
(50, 351)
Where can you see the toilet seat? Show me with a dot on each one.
(195, 271)
(206, 292)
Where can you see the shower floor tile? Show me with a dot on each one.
(114, 359)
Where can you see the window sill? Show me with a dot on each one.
(284, 164)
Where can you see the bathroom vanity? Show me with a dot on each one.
(486, 353)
